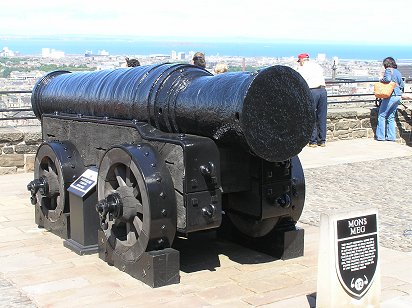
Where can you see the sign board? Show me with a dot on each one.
(348, 263)
(357, 253)
(84, 183)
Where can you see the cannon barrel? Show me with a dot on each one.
(269, 111)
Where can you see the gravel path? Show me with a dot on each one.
(379, 183)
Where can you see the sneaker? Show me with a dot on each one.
(322, 145)
(312, 145)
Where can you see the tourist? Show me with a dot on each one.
(386, 128)
(199, 59)
(132, 62)
(221, 68)
(313, 74)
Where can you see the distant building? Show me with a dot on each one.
(88, 53)
(52, 53)
(30, 76)
(6, 52)
(103, 53)
(181, 56)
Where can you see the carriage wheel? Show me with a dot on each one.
(56, 166)
(254, 228)
(137, 204)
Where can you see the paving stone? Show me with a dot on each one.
(57, 285)
(21, 261)
(221, 294)
(399, 302)
(302, 301)
(269, 283)
(304, 289)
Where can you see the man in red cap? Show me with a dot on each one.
(313, 74)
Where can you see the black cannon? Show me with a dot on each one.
(175, 150)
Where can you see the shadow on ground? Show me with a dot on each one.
(201, 251)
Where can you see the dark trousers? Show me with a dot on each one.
(320, 101)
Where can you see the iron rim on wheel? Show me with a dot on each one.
(56, 166)
(137, 202)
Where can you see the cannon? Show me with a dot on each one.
(166, 150)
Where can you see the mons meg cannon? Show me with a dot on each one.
(133, 157)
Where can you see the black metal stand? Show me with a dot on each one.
(60, 227)
(79, 248)
(85, 219)
(284, 242)
(155, 268)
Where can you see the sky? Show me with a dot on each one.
(355, 21)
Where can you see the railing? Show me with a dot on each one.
(363, 99)
(366, 97)
(16, 114)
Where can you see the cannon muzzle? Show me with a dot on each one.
(269, 111)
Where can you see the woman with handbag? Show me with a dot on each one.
(386, 129)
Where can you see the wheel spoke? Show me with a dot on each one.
(131, 235)
(138, 224)
(128, 178)
(136, 192)
(118, 172)
(139, 207)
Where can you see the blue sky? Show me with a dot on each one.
(361, 21)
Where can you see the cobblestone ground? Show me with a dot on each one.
(385, 184)
(11, 297)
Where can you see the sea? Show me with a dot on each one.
(230, 47)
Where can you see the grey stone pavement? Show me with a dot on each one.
(37, 271)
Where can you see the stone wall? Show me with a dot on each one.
(19, 145)
(352, 123)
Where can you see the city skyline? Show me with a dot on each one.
(332, 21)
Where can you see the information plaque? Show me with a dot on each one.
(357, 253)
(348, 260)
(85, 182)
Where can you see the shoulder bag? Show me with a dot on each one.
(384, 90)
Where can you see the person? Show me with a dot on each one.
(313, 75)
(199, 59)
(386, 128)
(221, 68)
(132, 62)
